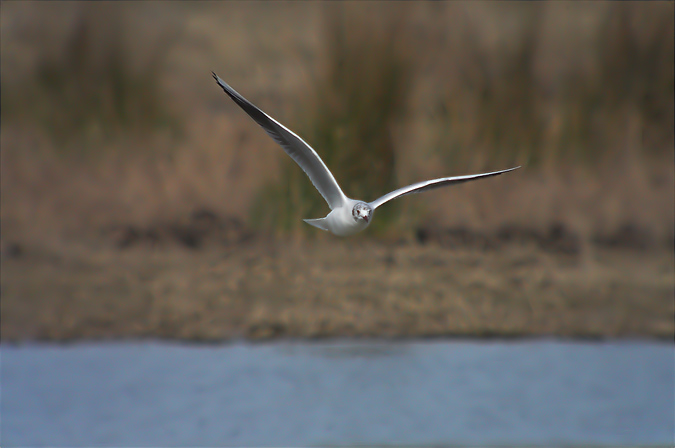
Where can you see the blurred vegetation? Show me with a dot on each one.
(95, 86)
(630, 85)
(400, 89)
(495, 105)
(359, 96)
(635, 57)
(499, 105)
(496, 111)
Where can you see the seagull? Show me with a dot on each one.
(348, 216)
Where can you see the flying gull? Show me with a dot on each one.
(348, 216)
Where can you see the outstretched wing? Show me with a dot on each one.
(301, 152)
(431, 184)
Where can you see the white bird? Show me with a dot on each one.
(348, 216)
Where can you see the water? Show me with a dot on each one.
(339, 393)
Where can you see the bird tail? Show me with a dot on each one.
(320, 223)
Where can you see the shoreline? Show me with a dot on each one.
(455, 337)
(328, 290)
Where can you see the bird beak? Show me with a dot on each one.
(366, 218)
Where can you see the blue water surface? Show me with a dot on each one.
(338, 393)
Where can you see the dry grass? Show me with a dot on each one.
(554, 82)
(95, 83)
(46, 196)
(595, 133)
(330, 290)
(580, 93)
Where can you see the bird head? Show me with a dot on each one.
(362, 211)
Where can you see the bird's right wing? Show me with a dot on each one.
(301, 152)
(431, 184)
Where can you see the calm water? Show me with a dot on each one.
(339, 393)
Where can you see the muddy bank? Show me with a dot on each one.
(334, 288)
(204, 227)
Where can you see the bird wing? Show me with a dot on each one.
(301, 152)
(431, 184)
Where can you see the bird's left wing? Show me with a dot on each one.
(301, 152)
(431, 184)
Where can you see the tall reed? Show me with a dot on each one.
(358, 96)
(507, 112)
(93, 86)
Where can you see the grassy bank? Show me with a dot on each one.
(138, 201)
(271, 290)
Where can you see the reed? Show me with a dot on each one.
(500, 104)
(97, 85)
(401, 93)
(359, 94)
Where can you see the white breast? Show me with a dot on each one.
(341, 222)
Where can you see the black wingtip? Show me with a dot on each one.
(214, 75)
